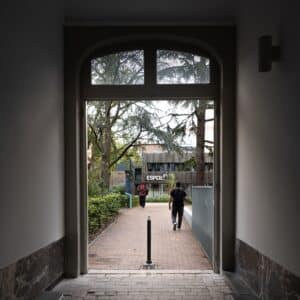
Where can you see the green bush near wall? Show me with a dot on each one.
(102, 209)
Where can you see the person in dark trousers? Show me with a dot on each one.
(143, 192)
(177, 197)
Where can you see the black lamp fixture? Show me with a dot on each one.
(267, 53)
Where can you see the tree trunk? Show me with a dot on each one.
(199, 152)
(105, 170)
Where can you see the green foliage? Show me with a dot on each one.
(116, 127)
(162, 198)
(135, 201)
(94, 189)
(126, 67)
(102, 209)
(131, 157)
(190, 164)
(130, 123)
(118, 189)
(94, 184)
(182, 67)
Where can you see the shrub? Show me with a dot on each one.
(162, 198)
(102, 209)
(122, 199)
(135, 201)
(94, 189)
(118, 189)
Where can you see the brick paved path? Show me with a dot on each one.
(143, 284)
(122, 246)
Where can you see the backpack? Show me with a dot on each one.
(142, 189)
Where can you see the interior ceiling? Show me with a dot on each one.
(149, 11)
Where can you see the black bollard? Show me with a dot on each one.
(149, 261)
(148, 265)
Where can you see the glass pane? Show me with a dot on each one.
(122, 68)
(175, 67)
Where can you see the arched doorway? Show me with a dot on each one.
(150, 44)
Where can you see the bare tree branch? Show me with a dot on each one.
(96, 138)
(125, 150)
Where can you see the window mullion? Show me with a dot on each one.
(150, 67)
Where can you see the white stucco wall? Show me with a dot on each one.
(31, 127)
(268, 161)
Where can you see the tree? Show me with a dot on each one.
(194, 120)
(121, 68)
(116, 69)
(182, 67)
(176, 67)
(116, 126)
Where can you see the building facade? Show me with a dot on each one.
(160, 171)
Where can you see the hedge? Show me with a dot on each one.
(135, 201)
(102, 209)
(162, 198)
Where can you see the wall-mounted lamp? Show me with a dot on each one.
(267, 53)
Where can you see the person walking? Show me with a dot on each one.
(143, 192)
(177, 197)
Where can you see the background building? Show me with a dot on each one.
(157, 168)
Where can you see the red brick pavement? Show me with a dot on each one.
(122, 246)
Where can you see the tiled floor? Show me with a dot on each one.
(122, 246)
(144, 284)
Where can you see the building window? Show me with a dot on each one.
(149, 167)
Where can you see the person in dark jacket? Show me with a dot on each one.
(177, 197)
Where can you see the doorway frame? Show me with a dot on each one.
(198, 40)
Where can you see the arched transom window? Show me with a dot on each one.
(150, 70)
(172, 67)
